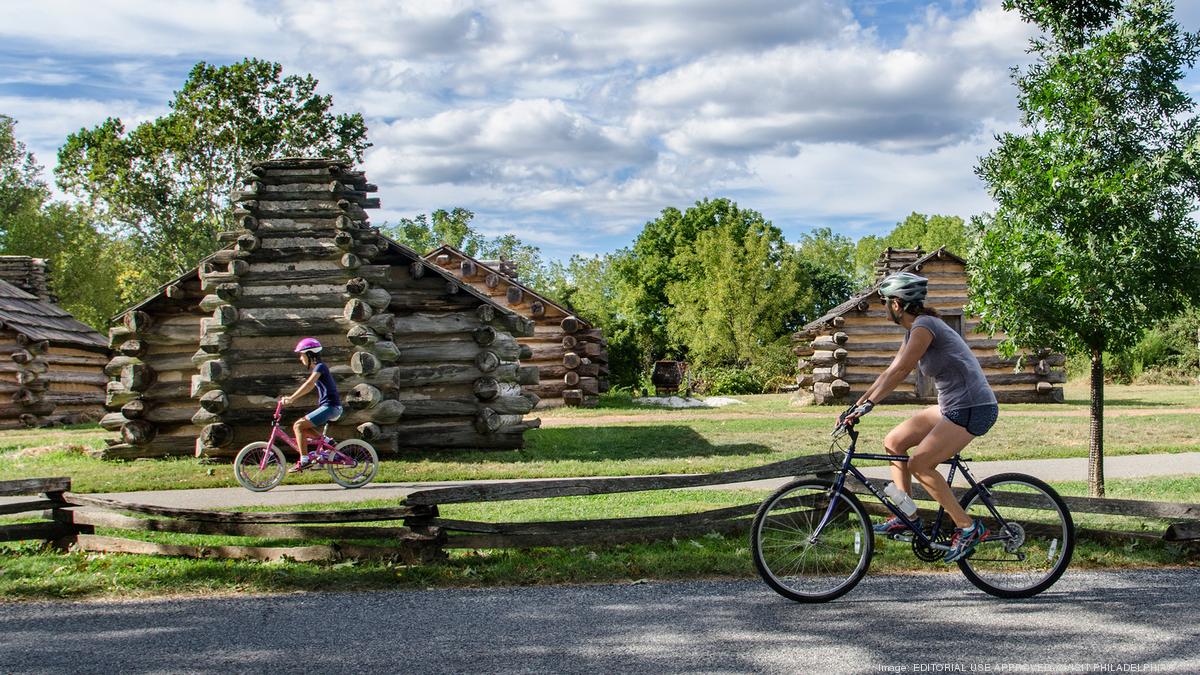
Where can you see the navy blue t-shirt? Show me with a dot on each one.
(326, 388)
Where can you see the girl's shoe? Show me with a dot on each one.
(302, 464)
(964, 541)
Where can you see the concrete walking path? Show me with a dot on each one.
(1120, 466)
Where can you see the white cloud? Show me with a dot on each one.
(133, 27)
(572, 123)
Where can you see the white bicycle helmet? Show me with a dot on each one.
(906, 287)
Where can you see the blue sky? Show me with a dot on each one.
(571, 123)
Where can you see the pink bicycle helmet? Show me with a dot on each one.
(308, 345)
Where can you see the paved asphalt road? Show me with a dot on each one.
(934, 623)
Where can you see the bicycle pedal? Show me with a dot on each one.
(905, 538)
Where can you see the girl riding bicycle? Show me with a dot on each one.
(966, 405)
(329, 404)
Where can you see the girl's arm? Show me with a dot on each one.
(304, 388)
(912, 351)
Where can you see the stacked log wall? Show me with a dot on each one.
(841, 358)
(23, 387)
(149, 394)
(31, 275)
(305, 262)
(571, 356)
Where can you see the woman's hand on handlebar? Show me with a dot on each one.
(854, 413)
(285, 400)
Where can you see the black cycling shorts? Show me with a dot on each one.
(977, 419)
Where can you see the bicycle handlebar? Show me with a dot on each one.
(278, 409)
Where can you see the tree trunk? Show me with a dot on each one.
(1096, 439)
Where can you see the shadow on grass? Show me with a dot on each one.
(605, 444)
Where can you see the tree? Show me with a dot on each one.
(88, 267)
(740, 284)
(424, 234)
(85, 263)
(22, 191)
(654, 263)
(829, 259)
(166, 183)
(916, 231)
(1092, 241)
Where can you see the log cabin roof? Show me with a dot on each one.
(393, 245)
(867, 294)
(24, 313)
(450, 250)
(448, 275)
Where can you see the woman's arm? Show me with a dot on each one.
(902, 365)
(304, 388)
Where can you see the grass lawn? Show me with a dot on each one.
(29, 572)
(765, 429)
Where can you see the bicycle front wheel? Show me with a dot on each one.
(1027, 554)
(259, 467)
(354, 464)
(798, 562)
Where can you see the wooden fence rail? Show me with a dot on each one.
(71, 519)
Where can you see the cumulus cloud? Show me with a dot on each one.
(572, 123)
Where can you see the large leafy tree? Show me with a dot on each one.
(917, 230)
(829, 259)
(426, 232)
(86, 264)
(740, 284)
(655, 262)
(22, 190)
(166, 183)
(1092, 240)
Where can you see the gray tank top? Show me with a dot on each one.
(955, 370)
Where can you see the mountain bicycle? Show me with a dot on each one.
(812, 539)
(261, 466)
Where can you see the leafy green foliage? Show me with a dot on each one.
(85, 263)
(1093, 241)
(166, 183)
(739, 283)
(21, 187)
(917, 230)
(424, 233)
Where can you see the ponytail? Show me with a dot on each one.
(918, 309)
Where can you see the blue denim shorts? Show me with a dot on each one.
(976, 420)
(324, 414)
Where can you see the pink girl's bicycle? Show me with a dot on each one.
(261, 466)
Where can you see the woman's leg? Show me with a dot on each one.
(907, 435)
(943, 442)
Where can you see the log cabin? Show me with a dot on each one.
(52, 368)
(841, 353)
(422, 360)
(570, 353)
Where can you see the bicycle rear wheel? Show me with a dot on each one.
(1033, 549)
(256, 473)
(799, 565)
(365, 463)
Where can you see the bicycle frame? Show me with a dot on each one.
(956, 465)
(277, 432)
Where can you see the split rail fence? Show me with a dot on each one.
(70, 520)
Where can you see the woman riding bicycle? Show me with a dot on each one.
(329, 404)
(966, 405)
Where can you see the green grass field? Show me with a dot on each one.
(656, 441)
